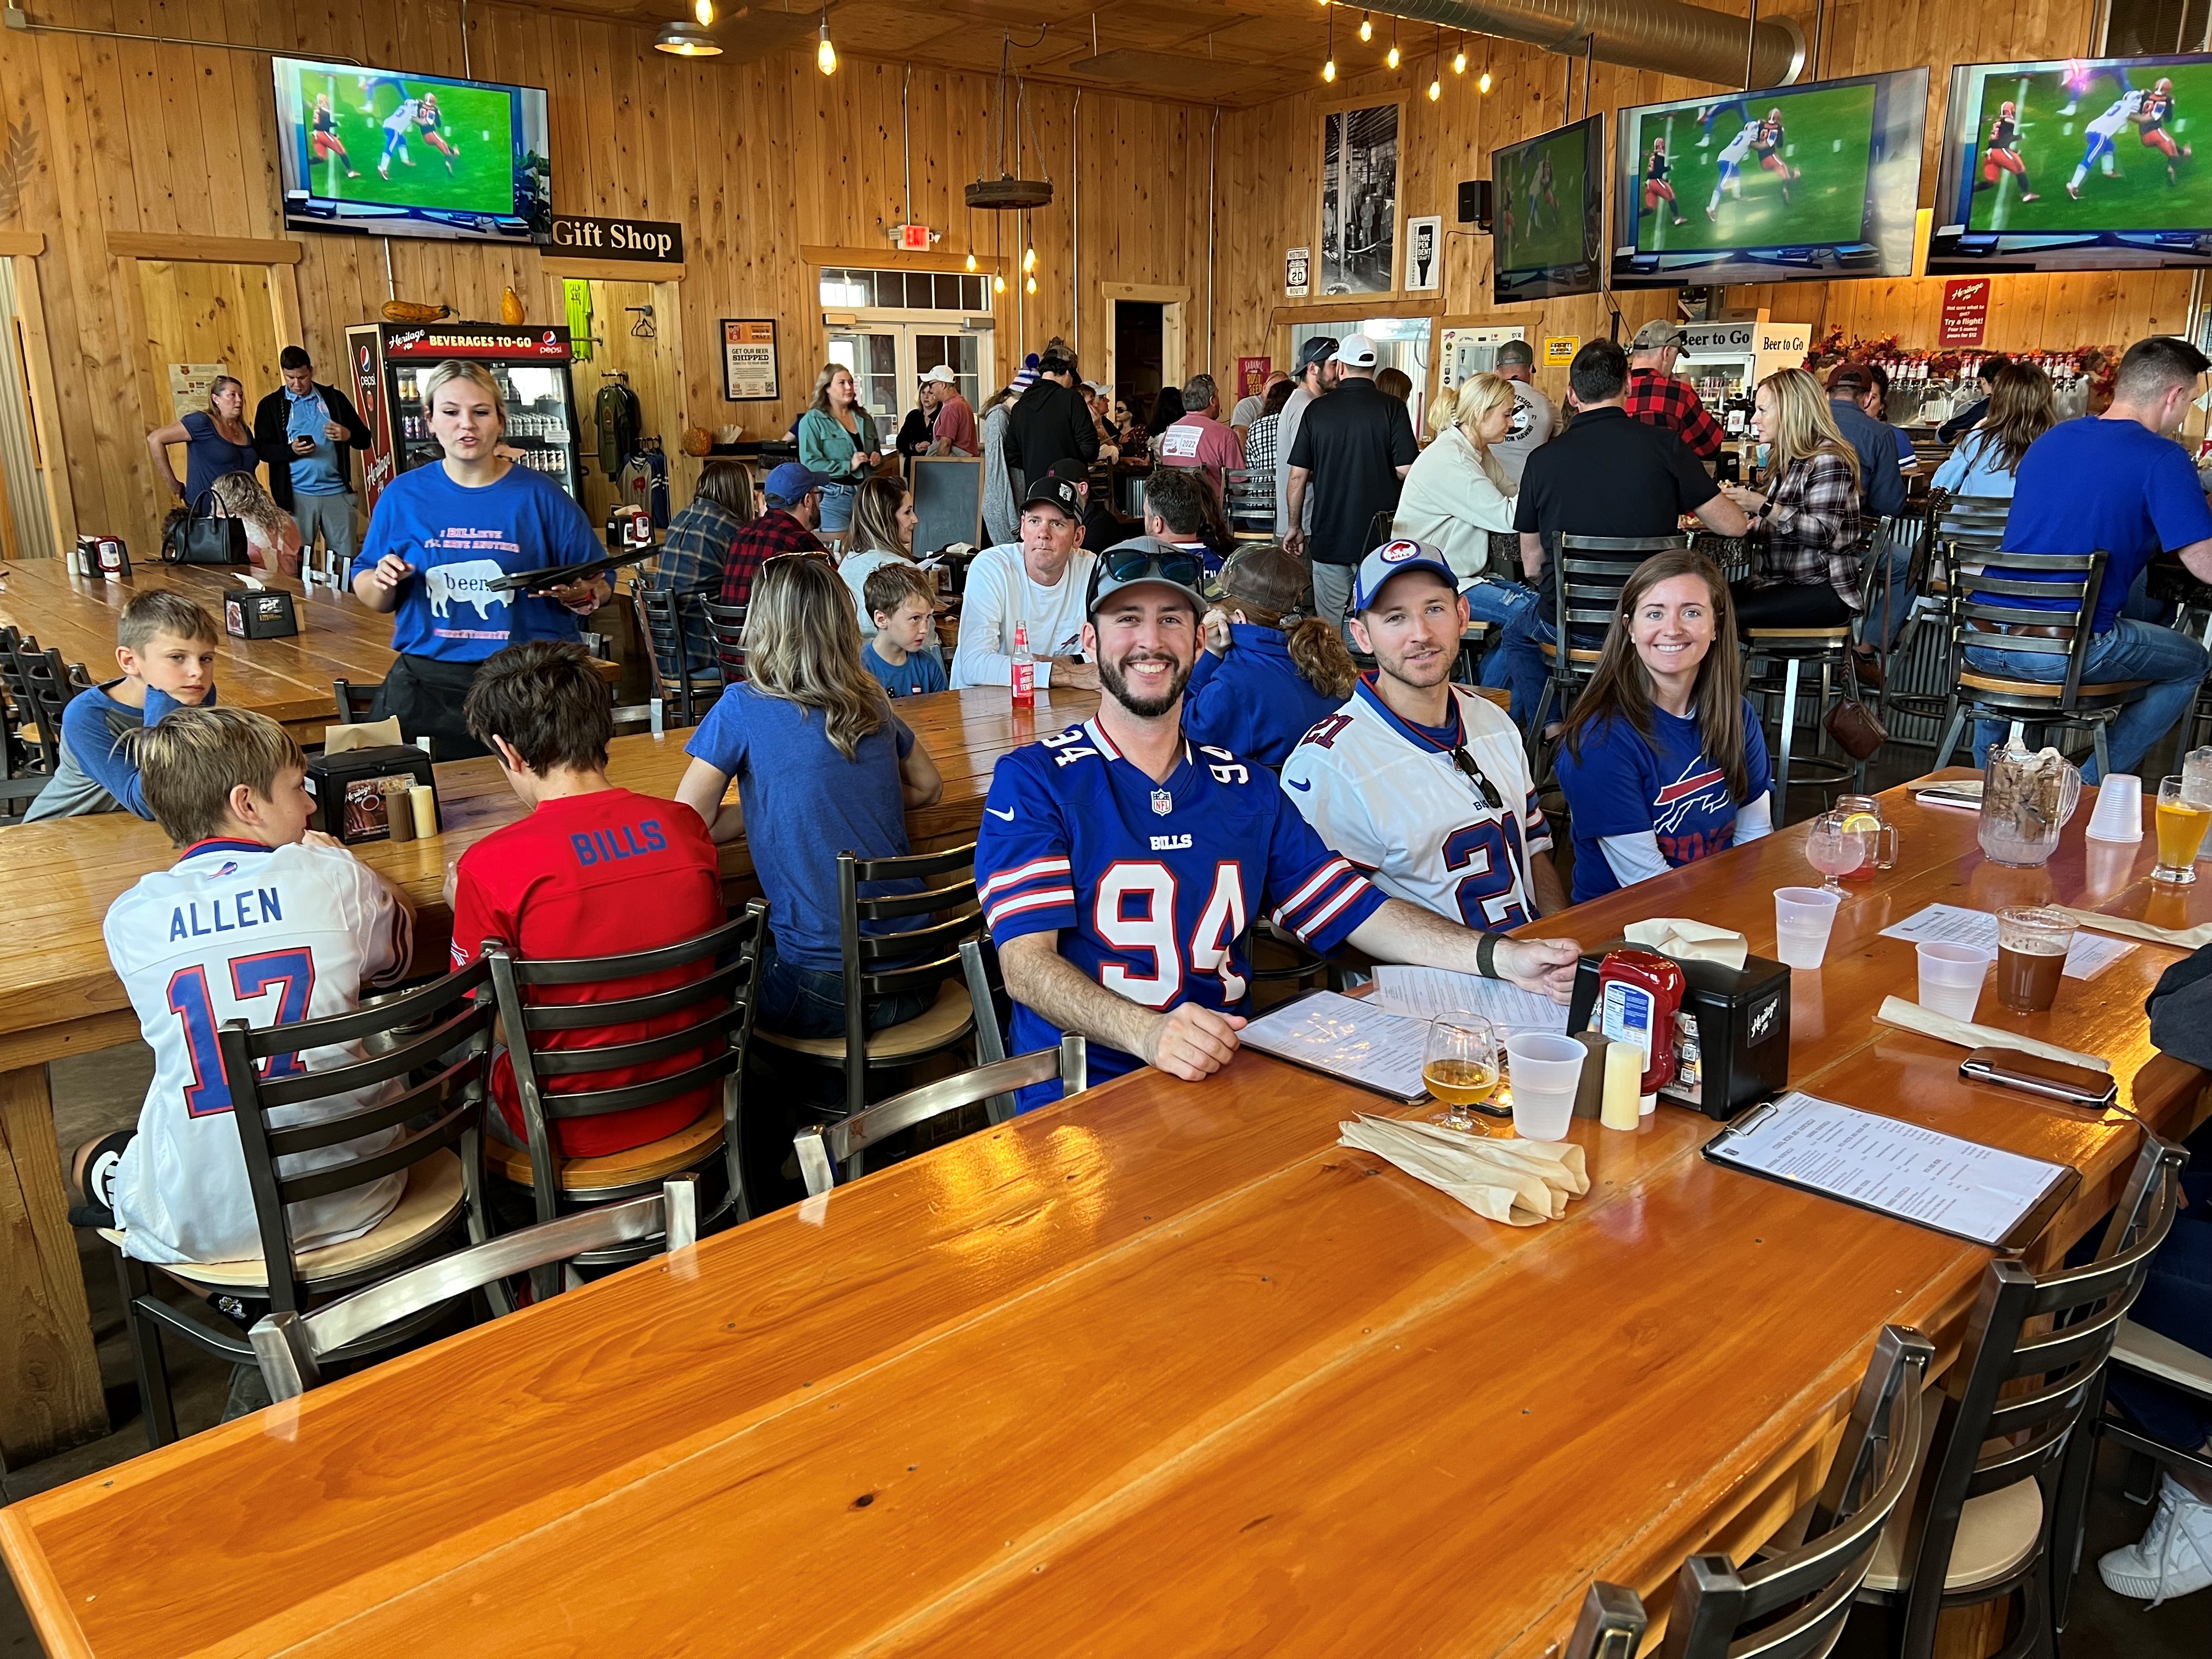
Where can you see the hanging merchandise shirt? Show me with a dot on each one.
(645, 483)
(458, 539)
(619, 420)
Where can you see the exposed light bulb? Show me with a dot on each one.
(1436, 90)
(1366, 27)
(1392, 59)
(703, 10)
(1029, 284)
(1459, 62)
(1329, 70)
(971, 262)
(1029, 258)
(1483, 85)
(998, 283)
(825, 55)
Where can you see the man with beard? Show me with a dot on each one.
(1121, 866)
(1420, 782)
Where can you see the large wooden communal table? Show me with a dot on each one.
(1159, 1370)
(58, 996)
(287, 679)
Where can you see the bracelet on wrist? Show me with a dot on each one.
(1485, 956)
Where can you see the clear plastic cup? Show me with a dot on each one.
(2117, 815)
(1802, 919)
(1545, 1070)
(1951, 977)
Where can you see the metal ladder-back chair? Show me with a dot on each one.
(1988, 607)
(291, 1347)
(1954, 528)
(1998, 1511)
(1588, 574)
(715, 1004)
(356, 702)
(829, 1153)
(41, 685)
(726, 624)
(436, 1038)
(665, 630)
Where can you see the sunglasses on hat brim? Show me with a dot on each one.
(1136, 564)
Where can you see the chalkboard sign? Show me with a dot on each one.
(948, 502)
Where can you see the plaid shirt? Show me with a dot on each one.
(773, 534)
(1659, 399)
(1260, 452)
(1813, 533)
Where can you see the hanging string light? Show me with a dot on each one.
(1436, 58)
(825, 55)
(1328, 69)
(1459, 57)
(1483, 83)
(1366, 26)
(1392, 59)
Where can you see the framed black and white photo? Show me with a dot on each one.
(1359, 199)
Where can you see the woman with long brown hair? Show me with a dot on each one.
(823, 765)
(2023, 408)
(1269, 673)
(1815, 535)
(1663, 761)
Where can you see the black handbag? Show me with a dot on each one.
(213, 540)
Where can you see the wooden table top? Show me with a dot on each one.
(1161, 1370)
(289, 680)
(66, 871)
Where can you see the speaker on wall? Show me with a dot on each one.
(1474, 204)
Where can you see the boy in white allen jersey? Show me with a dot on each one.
(1420, 782)
(258, 920)
(1122, 867)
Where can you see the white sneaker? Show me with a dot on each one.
(2173, 1557)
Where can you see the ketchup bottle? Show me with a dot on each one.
(1638, 994)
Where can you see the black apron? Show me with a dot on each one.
(426, 695)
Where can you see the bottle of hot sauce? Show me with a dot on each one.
(1638, 994)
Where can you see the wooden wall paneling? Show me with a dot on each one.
(38, 361)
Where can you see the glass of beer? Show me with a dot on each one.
(2032, 946)
(2181, 826)
(1460, 1067)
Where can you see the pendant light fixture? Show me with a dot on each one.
(1436, 71)
(702, 12)
(1328, 67)
(681, 40)
(1392, 59)
(825, 55)
(1459, 57)
(1366, 26)
(1006, 193)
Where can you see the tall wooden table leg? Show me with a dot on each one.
(50, 1389)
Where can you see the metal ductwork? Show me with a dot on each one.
(1664, 35)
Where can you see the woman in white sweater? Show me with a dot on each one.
(1455, 494)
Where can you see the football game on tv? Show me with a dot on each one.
(1547, 213)
(2083, 164)
(1814, 181)
(397, 154)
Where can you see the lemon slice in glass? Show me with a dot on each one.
(1861, 821)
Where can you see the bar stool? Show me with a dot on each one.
(1585, 594)
(1795, 650)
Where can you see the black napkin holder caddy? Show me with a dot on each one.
(348, 802)
(1731, 1035)
(263, 613)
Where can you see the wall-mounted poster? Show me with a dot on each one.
(748, 361)
(1425, 255)
(1359, 200)
(192, 385)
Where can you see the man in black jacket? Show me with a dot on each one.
(303, 430)
(1052, 422)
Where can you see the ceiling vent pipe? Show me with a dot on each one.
(1664, 35)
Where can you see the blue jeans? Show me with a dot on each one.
(1501, 604)
(1519, 662)
(1900, 555)
(810, 1002)
(2175, 665)
(2176, 1301)
(837, 501)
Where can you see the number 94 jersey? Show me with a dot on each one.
(1390, 797)
(1152, 888)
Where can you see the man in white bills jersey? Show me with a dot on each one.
(1420, 782)
(258, 920)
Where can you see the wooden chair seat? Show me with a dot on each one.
(2162, 1357)
(1835, 635)
(432, 1199)
(2043, 689)
(944, 1022)
(1576, 654)
(1996, 1531)
(1497, 694)
(699, 1139)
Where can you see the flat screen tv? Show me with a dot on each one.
(1547, 213)
(2079, 164)
(1818, 182)
(390, 154)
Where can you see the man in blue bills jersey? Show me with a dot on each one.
(1121, 865)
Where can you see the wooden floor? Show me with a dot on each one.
(1160, 1371)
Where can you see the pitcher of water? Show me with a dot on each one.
(2026, 801)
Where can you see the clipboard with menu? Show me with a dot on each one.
(1352, 1040)
(1983, 1194)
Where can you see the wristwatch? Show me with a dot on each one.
(1485, 956)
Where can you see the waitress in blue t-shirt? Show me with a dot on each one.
(1663, 761)
(440, 534)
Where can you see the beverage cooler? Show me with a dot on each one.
(390, 361)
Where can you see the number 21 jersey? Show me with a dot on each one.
(1152, 888)
(270, 935)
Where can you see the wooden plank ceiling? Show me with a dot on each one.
(1234, 52)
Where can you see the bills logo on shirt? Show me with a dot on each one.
(1702, 791)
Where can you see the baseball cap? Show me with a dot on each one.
(1657, 335)
(1265, 576)
(942, 376)
(1319, 350)
(791, 483)
(1144, 559)
(1516, 351)
(1356, 351)
(1396, 558)
(1849, 377)
(1050, 491)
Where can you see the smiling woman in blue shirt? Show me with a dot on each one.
(441, 534)
(1664, 763)
(2116, 482)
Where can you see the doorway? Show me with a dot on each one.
(1400, 342)
(887, 360)
(635, 333)
(1140, 354)
(202, 319)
